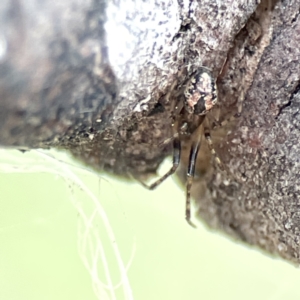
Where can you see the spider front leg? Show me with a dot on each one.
(176, 161)
(190, 177)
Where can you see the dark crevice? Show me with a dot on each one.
(158, 108)
(296, 17)
(288, 104)
(282, 108)
(296, 91)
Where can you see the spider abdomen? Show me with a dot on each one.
(200, 92)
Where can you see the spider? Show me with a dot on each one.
(190, 122)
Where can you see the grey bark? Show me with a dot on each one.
(99, 79)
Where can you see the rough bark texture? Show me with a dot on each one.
(261, 205)
(99, 79)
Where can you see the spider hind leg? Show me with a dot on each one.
(190, 176)
(211, 145)
(176, 161)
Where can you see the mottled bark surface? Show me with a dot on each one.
(99, 79)
(261, 206)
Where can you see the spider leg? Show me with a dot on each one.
(230, 118)
(210, 144)
(176, 108)
(218, 124)
(176, 161)
(165, 142)
(190, 176)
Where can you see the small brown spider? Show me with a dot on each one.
(190, 123)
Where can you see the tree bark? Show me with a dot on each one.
(99, 80)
